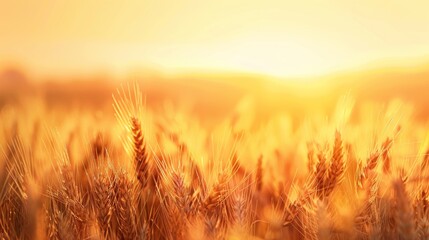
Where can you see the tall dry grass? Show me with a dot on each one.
(165, 176)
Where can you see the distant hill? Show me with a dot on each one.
(12, 78)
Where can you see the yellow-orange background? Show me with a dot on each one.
(283, 38)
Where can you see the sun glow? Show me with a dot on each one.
(281, 38)
(255, 54)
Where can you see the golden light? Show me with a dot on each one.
(224, 119)
(282, 38)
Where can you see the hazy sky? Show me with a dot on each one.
(286, 38)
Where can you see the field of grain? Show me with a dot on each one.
(226, 119)
(75, 171)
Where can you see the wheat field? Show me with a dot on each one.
(74, 173)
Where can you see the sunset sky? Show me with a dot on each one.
(282, 38)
